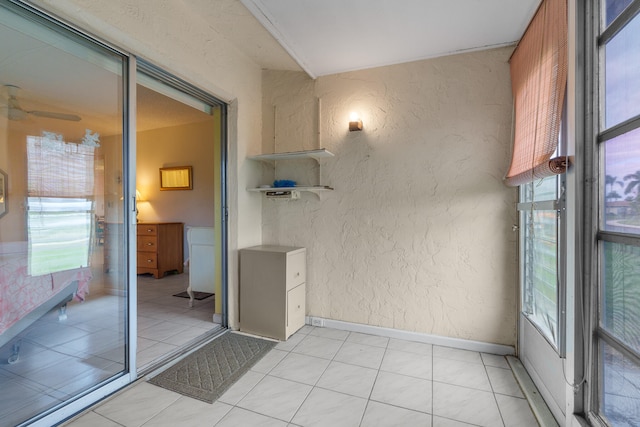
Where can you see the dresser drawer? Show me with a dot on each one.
(296, 269)
(147, 260)
(147, 229)
(147, 244)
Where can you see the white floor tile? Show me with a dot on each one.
(269, 361)
(476, 407)
(326, 408)
(471, 375)
(348, 379)
(137, 405)
(185, 336)
(410, 346)
(400, 390)
(241, 388)
(325, 348)
(361, 355)
(411, 364)
(300, 368)
(91, 419)
(457, 354)
(335, 334)
(372, 340)
(276, 398)
(241, 417)
(289, 344)
(162, 331)
(186, 412)
(516, 412)
(152, 353)
(503, 382)
(445, 422)
(382, 415)
(495, 360)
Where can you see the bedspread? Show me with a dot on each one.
(20, 293)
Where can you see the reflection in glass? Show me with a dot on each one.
(621, 186)
(621, 292)
(620, 388)
(541, 190)
(540, 294)
(622, 68)
(62, 313)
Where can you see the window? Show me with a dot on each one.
(59, 203)
(617, 334)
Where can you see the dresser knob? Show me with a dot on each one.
(149, 244)
(149, 260)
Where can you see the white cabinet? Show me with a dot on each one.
(202, 257)
(272, 290)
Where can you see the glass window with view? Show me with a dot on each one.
(539, 225)
(618, 333)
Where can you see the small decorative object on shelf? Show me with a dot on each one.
(279, 183)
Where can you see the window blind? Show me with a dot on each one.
(539, 80)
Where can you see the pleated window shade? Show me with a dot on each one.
(59, 169)
(539, 80)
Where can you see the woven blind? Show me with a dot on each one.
(539, 80)
(59, 169)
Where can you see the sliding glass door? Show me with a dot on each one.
(63, 228)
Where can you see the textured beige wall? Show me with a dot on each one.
(178, 39)
(417, 234)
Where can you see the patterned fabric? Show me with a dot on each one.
(20, 293)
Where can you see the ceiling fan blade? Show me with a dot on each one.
(59, 116)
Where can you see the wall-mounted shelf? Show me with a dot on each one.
(317, 189)
(317, 155)
(321, 153)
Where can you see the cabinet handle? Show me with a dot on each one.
(149, 230)
(149, 260)
(149, 244)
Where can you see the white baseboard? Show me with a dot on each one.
(484, 347)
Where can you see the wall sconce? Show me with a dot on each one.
(355, 123)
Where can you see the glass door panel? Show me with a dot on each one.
(63, 287)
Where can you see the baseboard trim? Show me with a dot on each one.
(484, 347)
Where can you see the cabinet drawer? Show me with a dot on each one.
(296, 307)
(147, 230)
(296, 269)
(147, 244)
(147, 260)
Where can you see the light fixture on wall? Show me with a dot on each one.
(355, 122)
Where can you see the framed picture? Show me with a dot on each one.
(176, 178)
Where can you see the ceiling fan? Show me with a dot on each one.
(15, 112)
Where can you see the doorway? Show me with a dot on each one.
(180, 288)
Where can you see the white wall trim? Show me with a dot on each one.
(484, 347)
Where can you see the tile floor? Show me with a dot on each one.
(58, 359)
(329, 377)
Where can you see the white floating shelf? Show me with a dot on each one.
(313, 189)
(321, 153)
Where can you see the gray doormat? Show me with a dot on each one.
(211, 370)
(196, 295)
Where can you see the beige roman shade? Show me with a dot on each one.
(539, 80)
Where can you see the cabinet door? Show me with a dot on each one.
(295, 308)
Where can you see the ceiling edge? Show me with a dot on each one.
(259, 12)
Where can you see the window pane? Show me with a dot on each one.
(620, 388)
(613, 8)
(540, 190)
(622, 183)
(621, 292)
(540, 271)
(622, 68)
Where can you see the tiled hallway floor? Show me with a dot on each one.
(330, 377)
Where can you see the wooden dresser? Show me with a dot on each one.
(160, 248)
